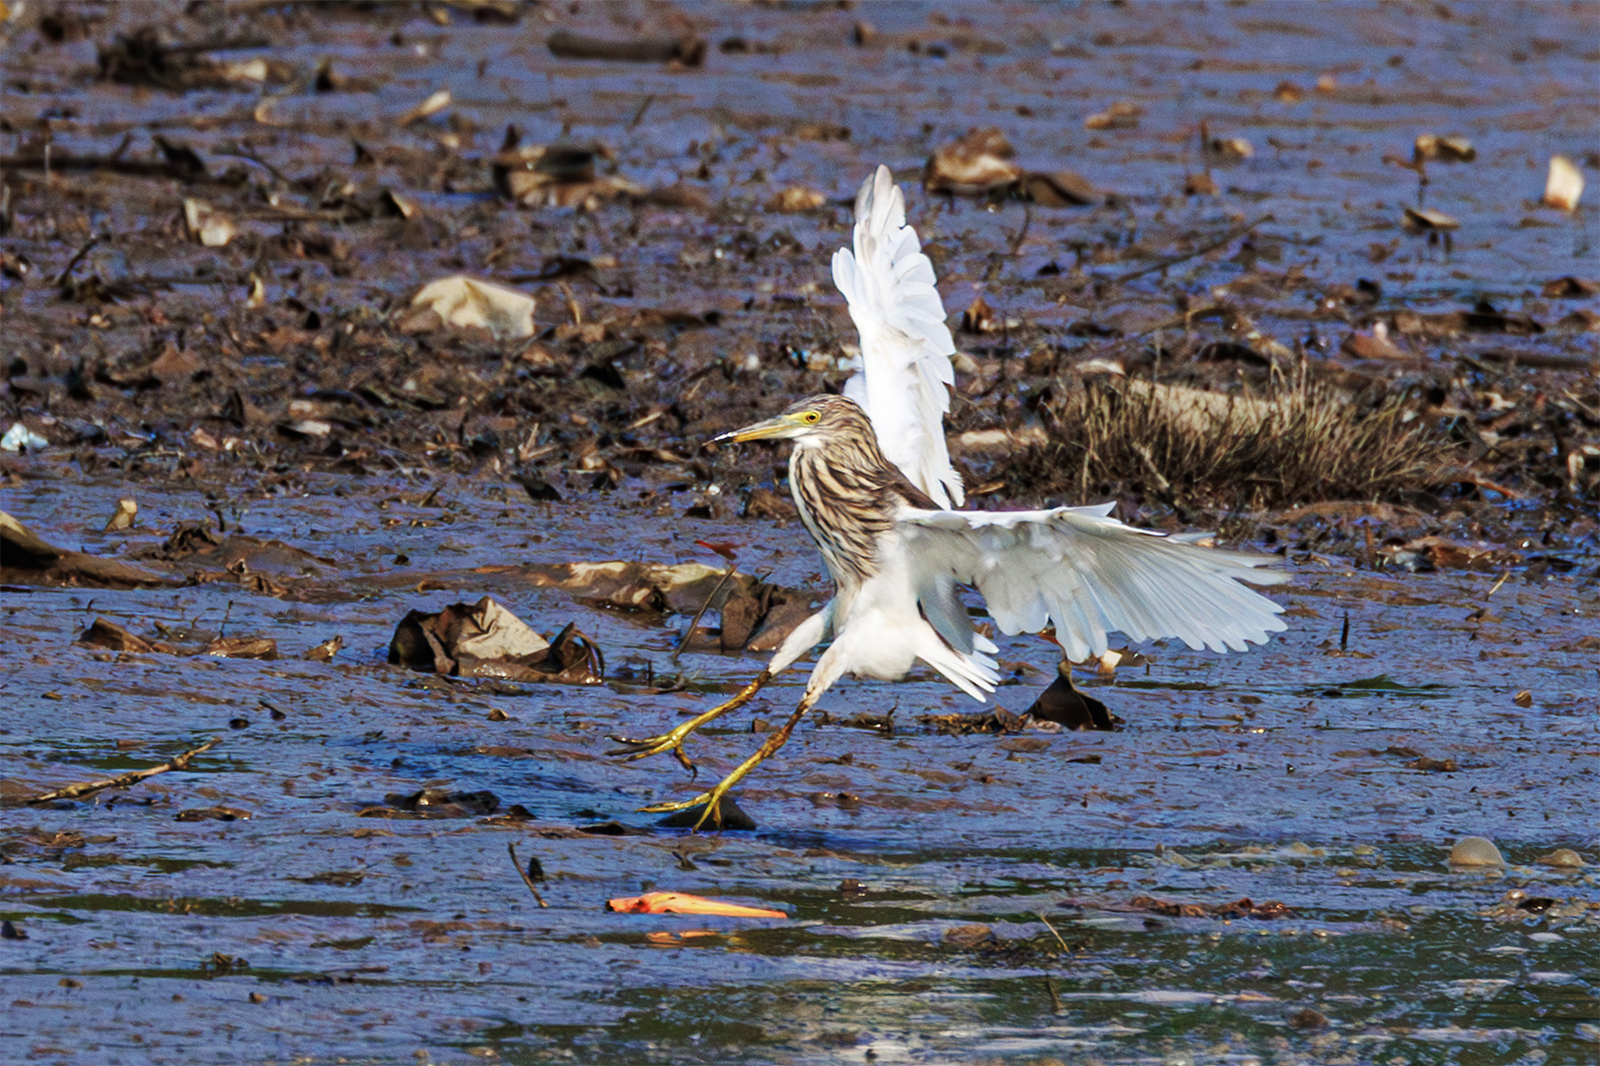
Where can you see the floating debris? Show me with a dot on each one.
(1564, 185)
(685, 903)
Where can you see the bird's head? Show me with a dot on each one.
(814, 422)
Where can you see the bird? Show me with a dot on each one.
(873, 483)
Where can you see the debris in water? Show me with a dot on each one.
(688, 50)
(1562, 858)
(485, 640)
(1445, 149)
(132, 777)
(434, 104)
(127, 510)
(25, 559)
(684, 903)
(1564, 185)
(795, 200)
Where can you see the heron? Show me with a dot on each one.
(872, 480)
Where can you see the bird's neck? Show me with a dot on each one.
(845, 496)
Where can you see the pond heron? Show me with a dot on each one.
(873, 483)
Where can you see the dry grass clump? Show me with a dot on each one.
(1300, 442)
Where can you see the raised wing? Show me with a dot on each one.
(904, 375)
(1090, 575)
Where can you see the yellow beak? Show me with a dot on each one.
(779, 428)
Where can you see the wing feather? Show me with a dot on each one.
(902, 380)
(1090, 575)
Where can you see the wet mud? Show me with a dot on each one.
(1255, 867)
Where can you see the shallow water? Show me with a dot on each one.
(1260, 776)
(310, 933)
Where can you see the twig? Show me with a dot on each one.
(1022, 234)
(512, 848)
(1174, 260)
(1055, 1000)
(572, 303)
(688, 634)
(132, 777)
(1040, 915)
(638, 116)
(72, 263)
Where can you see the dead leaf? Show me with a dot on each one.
(434, 104)
(127, 511)
(469, 303)
(25, 559)
(1564, 185)
(1121, 115)
(977, 164)
(796, 199)
(1059, 188)
(103, 634)
(1065, 704)
(1570, 287)
(206, 225)
(485, 640)
(324, 652)
(243, 648)
(1445, 149)
(1424, 221)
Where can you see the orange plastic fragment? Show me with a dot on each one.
(684, 903)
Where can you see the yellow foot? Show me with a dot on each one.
(639, 749)
(644, 748)
(713, 799)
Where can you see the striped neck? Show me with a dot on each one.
(844, 491)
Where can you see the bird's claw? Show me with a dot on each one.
(633, 749)
(712, 801)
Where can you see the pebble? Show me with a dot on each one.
(1564, 857)
(1475, 851)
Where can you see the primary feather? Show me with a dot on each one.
(1089, 575)
(904, 374)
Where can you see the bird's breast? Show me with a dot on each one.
(845, 509)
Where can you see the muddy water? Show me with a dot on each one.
(321, 924)
(1285, 775)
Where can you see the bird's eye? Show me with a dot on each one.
(811, 418)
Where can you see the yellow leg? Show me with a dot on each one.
(713, 798)
(673, 741)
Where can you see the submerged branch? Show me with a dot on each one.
(132, 777)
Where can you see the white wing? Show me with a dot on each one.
(1089, 575)
(903, 379)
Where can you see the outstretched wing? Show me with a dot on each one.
(904, 375)
(1089, 575)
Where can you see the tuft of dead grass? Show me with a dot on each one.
(1300, 442)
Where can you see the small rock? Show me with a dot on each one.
(1562, 857)
(1305, 1018)
(1475, 851)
